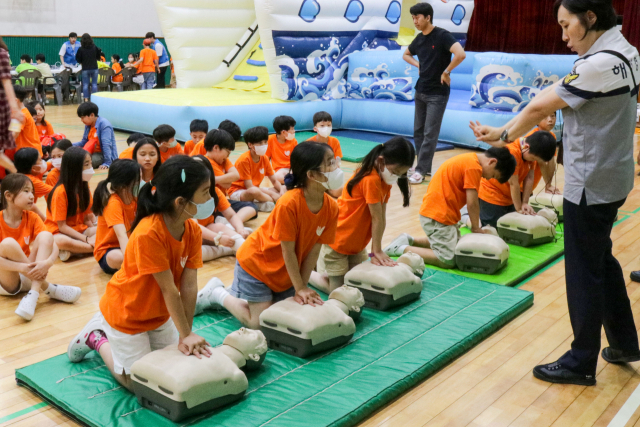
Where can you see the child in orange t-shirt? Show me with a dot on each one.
(198, 130)
(69, 216)
(116, 66)
(362, 213)
(27, 251)
(147, 153)
(57, 150)
(453, 186)
(149, 303)
(497, 200)
(253, 166)
(281, 145)
(44, 127)
(29, 162)
(114, 203)
(218, 239)
(165, 138)
(132, 140)
(28, 135)
(227, 125)
(323, 125)
(548, 169)
(275, 262)
(147, 65)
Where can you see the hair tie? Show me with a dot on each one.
(290, 180)
(183, 176)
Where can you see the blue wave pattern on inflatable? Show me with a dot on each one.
(380, 75)
(314, 67)
(506, 82)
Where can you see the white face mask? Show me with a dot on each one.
(324, 131)
(87, 174)
(56, 163)
(171, 144)
(289, 135)
(335, 179)
(42, 167)
(388, 177)
(261, 150)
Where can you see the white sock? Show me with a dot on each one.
(219, 295)
(238, 241)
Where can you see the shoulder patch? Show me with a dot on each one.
(571, 77)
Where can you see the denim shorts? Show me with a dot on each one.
(103, 263)
(248, 288)
(236, 205)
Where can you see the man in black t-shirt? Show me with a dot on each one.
(433, 48)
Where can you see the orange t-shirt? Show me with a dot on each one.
(53, 177)
(127, 153)
(116, 212)
(197, 149)
(148, 57)
(58, 212)
(189, 146)
(290, 221)
(39, 188)
(29, 228)
(92, 138)
(537, 173)
(250, 170)
(219, 170)
(354, 218)
(333, 143)
(169, 153)
(116, 69)
(446, 193)
(223, 205)
(28, 136)
(133, 302)
(280, 154)
(44, 130)
(491, 191)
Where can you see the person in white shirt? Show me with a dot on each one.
(163, 59)
(68, 51)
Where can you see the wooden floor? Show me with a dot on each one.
(491, 385)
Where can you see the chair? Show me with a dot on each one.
(127, 80)
(104, 79)
(29, 81)
(68, 85)
(52, 84)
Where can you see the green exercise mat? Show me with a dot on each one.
(353, 150)
(390, 352)
(523, 262)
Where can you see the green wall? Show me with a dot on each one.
(50, 46)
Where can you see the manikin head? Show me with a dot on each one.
(251, 343)
(414, 262)
(349, 296)
(549, 215)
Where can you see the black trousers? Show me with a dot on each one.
(596, 291)
(160, 78)
(490, 213)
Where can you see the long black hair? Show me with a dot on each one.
(306, 156)
(24, 159)
(180, 176)
(144, 141)
(86, 41)
(396, 151)
(123, 174)
(33, 104)
(207, 164)
(71, 178)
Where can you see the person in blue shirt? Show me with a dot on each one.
(163, 59)
(68, 51)
(98, 137)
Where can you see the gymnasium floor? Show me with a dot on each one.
(491, 385)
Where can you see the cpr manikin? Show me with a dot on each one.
(301, 330)
(386, 287)
(178, 386)
(547, 200)
(528, 230)
(481, 253)
(486, 228)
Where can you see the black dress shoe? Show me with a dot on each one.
(556, 373)
(635, 276)
(612, 355)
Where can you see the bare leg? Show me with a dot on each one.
(255, 193)
(216, 228)
(271, 192)
(247, 313)
(281, 174)
(320, 281)
(10, 280)
(246, 213)
(115, 259)
(41, 250)
(107, 358)
(422, 247)
(66, 243)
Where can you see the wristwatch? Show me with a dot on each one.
(447, 72)
(505, 136)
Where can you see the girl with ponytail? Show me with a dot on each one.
(362, 213)
(150, 302)
(275, 261)
(114, 203)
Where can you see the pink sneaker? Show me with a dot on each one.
(90, 338)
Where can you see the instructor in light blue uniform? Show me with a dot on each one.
(163, 59)
(68, 51)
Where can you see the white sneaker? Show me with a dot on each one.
(416, 178)
(393, 249)
(204, 300)
(64, 256)
(78, 348)
(265, 206)
(221, 220)
(63, 293)
(27, 306)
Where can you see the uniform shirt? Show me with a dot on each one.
(116, 212)
(58, 212)
(491, 191)
(29, 228)
(68, 52)
(148, 57)
(250, 170)
(53, 177)
(188, 147)
(280, 154)
(333, 143)
(40, 189)
(291, 221)
(28, 136)
(447, 191)
(434, 55)
(354, 217)
(133, 302)
(164, 156)
(220, 169)
(127, 153)
(599, 122)
(196, 149)
(116, 69)
(45, 130)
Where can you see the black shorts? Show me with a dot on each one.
(236, 206)
(490, 213)
(103, 263)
